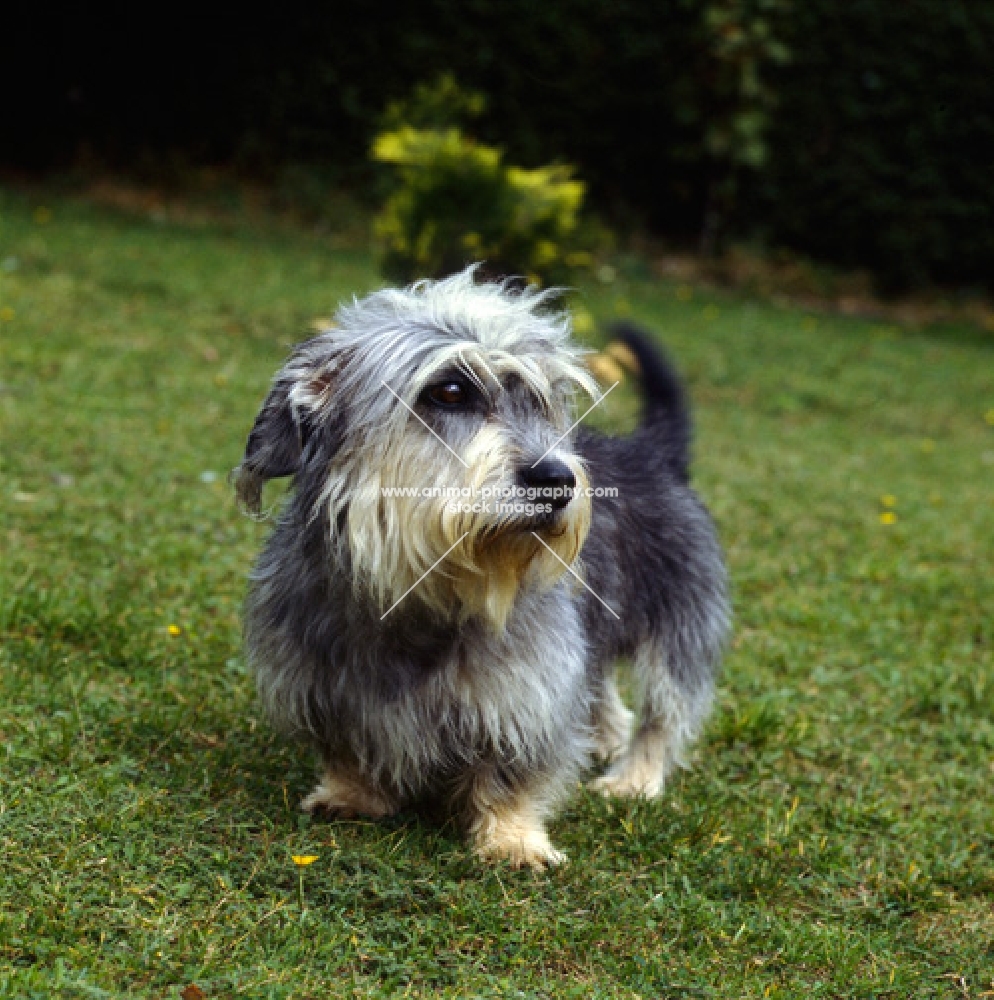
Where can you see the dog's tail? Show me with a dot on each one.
(666, 415)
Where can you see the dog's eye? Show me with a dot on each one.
(451, 395)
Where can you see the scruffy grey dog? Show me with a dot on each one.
(412, 614)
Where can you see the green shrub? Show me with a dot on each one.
(456, 201)
(437, 105)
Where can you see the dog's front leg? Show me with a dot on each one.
(506, 821)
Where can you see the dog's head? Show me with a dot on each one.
(432, 424)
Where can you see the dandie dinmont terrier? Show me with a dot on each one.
(458, 568)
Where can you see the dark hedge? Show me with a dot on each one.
(880, 148)
(883, 145)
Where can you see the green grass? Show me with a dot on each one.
(835, 837)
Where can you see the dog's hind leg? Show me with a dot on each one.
(671, 715)
(507, 823)
(613, 722)
(345, 792)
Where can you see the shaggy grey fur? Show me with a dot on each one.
(421, 702)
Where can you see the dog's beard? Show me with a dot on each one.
(437, 550)
(496, 568)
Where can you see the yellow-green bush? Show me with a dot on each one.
(456, 202)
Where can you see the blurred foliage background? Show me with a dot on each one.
(858, 133)
(454, 200)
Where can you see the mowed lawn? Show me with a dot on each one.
(835, 837)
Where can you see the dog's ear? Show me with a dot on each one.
(274, 447)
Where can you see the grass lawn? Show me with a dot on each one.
(835, 837)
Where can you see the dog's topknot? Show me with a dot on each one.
(503, 315)
(407, 334)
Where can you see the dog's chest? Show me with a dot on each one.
(488, 695)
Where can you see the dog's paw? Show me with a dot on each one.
(630, 779)
(518, 838)
(347, 796)
(510, 829)
(537, 854)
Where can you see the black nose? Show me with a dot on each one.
(553, 482)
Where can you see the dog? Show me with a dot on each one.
(457, 568)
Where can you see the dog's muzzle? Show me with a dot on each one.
(553, 482)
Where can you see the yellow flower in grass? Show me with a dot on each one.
(174, 630)
(888, 517)
(302, 861)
